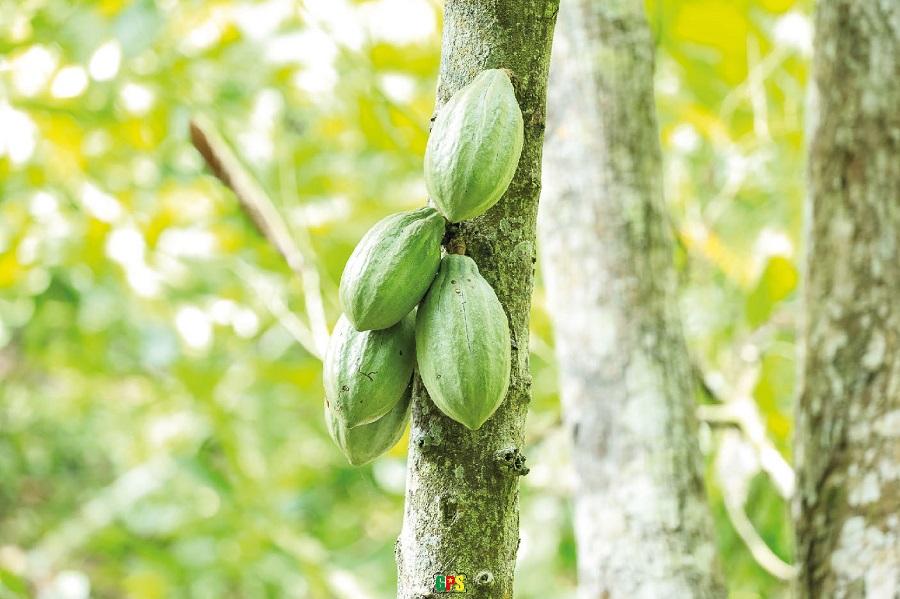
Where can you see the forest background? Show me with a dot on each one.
(161, 428)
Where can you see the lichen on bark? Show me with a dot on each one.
(847, 451)
(461, 512)
(643, 526)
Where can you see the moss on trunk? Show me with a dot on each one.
(462, 513)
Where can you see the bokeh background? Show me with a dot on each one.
(161, 427)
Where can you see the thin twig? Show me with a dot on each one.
(277, 308)
(761, 552)
(265, 217)
(736, 407)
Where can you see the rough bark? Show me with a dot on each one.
(642, 523)
(461, 513)
(847, 450)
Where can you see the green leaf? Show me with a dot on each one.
(11, 586)
(777, 282)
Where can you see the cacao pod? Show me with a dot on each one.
(366, 372)
(391, 268)
(463, 344)
(364, 443)
(474, 147)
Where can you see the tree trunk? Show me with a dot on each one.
(642, 523)
(847, 450)
(461, 514)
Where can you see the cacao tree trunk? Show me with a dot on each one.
(847, 451)
(642, 523)
(461, 514)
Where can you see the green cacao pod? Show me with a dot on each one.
(391, 268)
(366, 372)
(474, 147)
(364, 443)
(463, 344)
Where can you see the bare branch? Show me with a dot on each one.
(761, 552)
(737, 408)
(265, 217)
(740, 410)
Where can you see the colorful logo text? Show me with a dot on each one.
(450, 583)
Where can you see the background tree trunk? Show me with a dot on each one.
(642, 522)
(847, 452)
(461, 512)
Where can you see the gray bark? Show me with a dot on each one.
(847, 451)
(642, 523)
(461, 513)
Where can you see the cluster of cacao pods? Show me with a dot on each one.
(459, 335)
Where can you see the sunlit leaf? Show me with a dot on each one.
(779, 279)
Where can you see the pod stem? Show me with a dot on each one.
(513, 79)
(456, 246)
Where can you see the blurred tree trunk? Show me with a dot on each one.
(847, 452)
(461, 512)
(642, 522)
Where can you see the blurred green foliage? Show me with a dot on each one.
(161, 430)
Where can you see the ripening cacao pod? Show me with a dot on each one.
(364, 443)
(366, 372)
(474, 147)
(391, 268)
(462, 343)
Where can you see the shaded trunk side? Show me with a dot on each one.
(847, 451)
(643, 526)
(462, 513)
